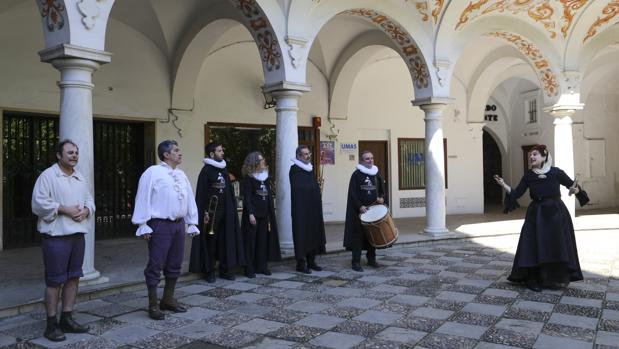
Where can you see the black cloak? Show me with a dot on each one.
(226, 245)
(363, 190)
(308, 227)
(547, 246)
(260, 239)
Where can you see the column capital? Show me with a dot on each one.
(562, 110)
(51, 54)
(286, 86)
(433, 101)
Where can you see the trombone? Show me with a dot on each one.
(212, 210)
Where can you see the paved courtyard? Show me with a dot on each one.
(449, 294)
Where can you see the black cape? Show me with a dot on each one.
(547, 245)
(226, 245)
(308, 228)
(261, 238)
(363, 190)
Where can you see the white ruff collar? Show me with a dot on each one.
(544, 168)
(372, 171)
(218, 164)
(306, 167)
(261, 176)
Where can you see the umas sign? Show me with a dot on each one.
(348, 147)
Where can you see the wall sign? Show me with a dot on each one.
(348, 148)
(490, 116)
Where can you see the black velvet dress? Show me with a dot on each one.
(261, 240)
(547, 246)
(308, 227)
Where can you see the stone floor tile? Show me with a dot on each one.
(389, 289)
(361, 328)
(241, 286)
(495, 292)
(550, 342)
(284, 315)
(72, 340)
(474, 319)
(475, 282)
(607, 338)
(321, 321)
(570, 309)
(248, 297)
(494, 300)
(535, 306)
(462, 330)
(221, 292)
(345, 292)
(539, 297)
(574, 292)
(275, 301)
(445, 304)
(610, 314)
(578, 333)
(456, 296)
(162, 340)
(270, 343)
(231, 338)
(442, 341)
(297, 333)
(520, 326)
(229, 319)
(222, 304)
(474, 290)
(486, 345)
(195, 300)
(585, 302)
(524, 314)
(418, 323)
(573, 320)
(612, 296)
(409, 300)
(432, 313)
(287, 284)
(379, 317)
(343, 312)
(510, 338)
(398, 334)
(337, 340)
(169, 323)
(252, 309)
(5, 340)
(608, 325)
(198, 329)
(129, 334)
(194, 288)
(259, 326)
(363, 303)
(308, 307)
(110, 310)
(281, 275)
(488, 309)
(26, 331)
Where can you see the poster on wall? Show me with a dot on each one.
(327, 152)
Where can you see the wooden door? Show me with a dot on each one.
(381, 158)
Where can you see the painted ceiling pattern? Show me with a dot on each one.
(422, 8)
(259, 26)
(608, 13)
(546, 76)
(408, 49)
(52, 12)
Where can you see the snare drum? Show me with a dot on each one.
(379, 227)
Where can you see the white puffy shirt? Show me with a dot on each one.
(165, 193)
(54, 188)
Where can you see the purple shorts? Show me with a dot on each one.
(63, 257)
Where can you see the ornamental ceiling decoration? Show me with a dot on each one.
(422, 8)
(408, 49)
(540, 11)
(259, 26)
(609, 12)
(52, 12)
(547, 78)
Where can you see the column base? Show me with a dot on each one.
(286, 248)
(93, 278)
(438, 232)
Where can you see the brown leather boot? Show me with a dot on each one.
(168, 302)
(153, 307)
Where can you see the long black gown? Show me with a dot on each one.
(363, 190)
(261, 240)
(308, 227)
(547, 246)
(226, 245)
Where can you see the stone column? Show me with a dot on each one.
(434, 168)
(76, 66)
(564, 147)
(287, 139)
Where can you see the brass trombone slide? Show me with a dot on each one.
(212, 210)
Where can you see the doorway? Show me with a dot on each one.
(493, 193)
(381, 159)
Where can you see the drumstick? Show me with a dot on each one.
(575, 183)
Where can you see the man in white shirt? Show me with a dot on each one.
(63, 204)
(165, 211)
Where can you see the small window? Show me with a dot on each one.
(531, 111)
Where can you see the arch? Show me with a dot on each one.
(582, 56)
(349, 63)
(599, 69)
(307, 19)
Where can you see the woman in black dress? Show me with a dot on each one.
(258, 224)
(546, 254)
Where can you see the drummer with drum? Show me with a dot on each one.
(366, 188)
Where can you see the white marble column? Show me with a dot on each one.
(434, 170)
(76, 67)
(564, 151)
(286, 143)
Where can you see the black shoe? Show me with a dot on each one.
(372, 263)
(303, 268)
(314, 266)
(68, 325)
(209, 277)
(265, 272)
(53, 332)
(250, 275)
(227, 275)
(533, 285)
(356, 266)
(172, 305)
